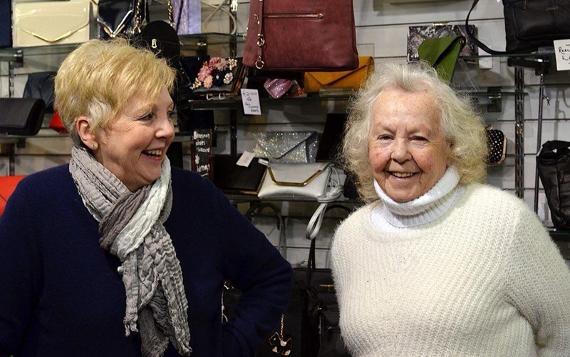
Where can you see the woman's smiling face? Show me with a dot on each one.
(407, 149)
(134, 145)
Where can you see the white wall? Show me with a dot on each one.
(382, 27)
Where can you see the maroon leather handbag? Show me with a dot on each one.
(301, 35)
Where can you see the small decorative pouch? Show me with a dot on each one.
(277, 87)
(216, 77)
(497, 144)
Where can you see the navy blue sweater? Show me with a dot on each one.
(61, 295)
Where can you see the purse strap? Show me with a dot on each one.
(141, 15)
(320, 213)
(473, 38)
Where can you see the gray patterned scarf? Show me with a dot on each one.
(131, 227)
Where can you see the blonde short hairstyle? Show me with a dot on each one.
(98, 78)
(462, 127)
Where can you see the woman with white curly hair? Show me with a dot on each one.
(437, 263)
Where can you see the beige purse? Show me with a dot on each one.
(295, 181)
(50, 23)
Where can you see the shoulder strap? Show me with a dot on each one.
(473, 38)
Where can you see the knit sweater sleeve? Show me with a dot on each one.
(257, 269)
(538, 284)
(20, 270)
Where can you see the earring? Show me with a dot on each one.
(94, 146)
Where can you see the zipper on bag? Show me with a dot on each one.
(287, 15)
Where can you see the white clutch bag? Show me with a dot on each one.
(50, 23)
(295, 181)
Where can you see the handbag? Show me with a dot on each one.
(295, 181)
(553, 163)
(321, 330)
(418, 34)
(235, 179)
(301, 35)
(5, 24)
(50, 22)
(329, 143)
(211, 77)
(188, 15)
(497, 146)
(353, 79)
(7, 186)
(530, 24)
(117, 17)
(21, 116)
(287, 146)
(41, 85)
(442, 53)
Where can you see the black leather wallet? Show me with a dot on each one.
(232, 178)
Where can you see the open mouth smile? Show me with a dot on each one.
(155, 154)
(401, 175)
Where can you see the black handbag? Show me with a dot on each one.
(117, 17)
(530, 24)
(21, 116)
(553, 164)
(40, 85)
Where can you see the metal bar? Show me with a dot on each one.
(233, 133)
(519, 131)
(11, 75)
(538, 138)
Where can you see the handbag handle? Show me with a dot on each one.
(555, 145)
(141, 14)
(475, 39)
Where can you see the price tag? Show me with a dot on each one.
(562, 51)
(250, 100)
(245, 159)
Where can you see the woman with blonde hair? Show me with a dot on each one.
(437, 263)
(117, 253)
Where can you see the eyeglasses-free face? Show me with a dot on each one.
(134, 145)
(407, 149)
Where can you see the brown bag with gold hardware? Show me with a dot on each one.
(301, 35)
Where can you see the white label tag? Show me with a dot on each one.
(562, 51)
(263, 161)
(250, 100)
(245, 159)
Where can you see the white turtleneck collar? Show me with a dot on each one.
(430, 206)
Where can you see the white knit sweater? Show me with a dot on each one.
(484, 279)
